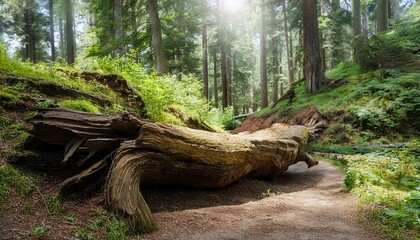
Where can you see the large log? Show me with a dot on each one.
(153, 153)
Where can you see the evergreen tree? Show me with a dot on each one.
(157, 43)
(313, 68)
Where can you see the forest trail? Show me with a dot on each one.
(303, 204)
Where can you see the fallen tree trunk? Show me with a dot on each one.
(153, 153)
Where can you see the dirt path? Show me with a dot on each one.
(302, 204)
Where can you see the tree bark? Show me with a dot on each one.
(52, 41)
(223, 58)
(381, 15)
(61, 34)
(157, 42)
(29, 30)
(215, 83)
(205, 67)
(68, 8)
(263, 58)
(312, 57)
(118, 23)
(275, 56)
(140, 151)
(288, 45)
(357, 30)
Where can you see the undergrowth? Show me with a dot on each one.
(159, 93)
(12, 178)
(388, 183)
(106, 226)
(163, 93)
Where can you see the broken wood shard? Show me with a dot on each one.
(153, 153)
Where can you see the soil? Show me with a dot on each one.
(301, 204)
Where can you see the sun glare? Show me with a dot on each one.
(233, 6)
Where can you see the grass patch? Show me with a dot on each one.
(12, 178)
(106, 226)
(339, 163)
(40, 232)
(388, 184)
(343, 70)
(54, 208)
(80, 105)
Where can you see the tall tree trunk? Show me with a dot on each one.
(288, 44)
(180, 24)
(324, 39)
(357, 30)
(52, 41)
(312, 57)
(299, 56)
(157, 42)
(134, 31)
(216, 97)
(29, 29)
(365, 23)
(61, 34)
(118, 23)
(68, 7)
(275, 58)
(229, 81)
(263, 58)
(254, 97)
(223, 58)
(205, 59)
(395, 9)
(382, 15)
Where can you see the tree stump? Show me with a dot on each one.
(139, 151)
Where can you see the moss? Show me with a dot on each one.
(343, 70)
(80, 105)
(10, 98)
(13, 178)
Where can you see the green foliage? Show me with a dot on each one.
(394, 49)
(40, 232)
(413, 13)
(339, 148)
(163, 94)
(84, 234)
(388, 181)
(110, 226)
(12, 178)
(389, 101)
(46, 103)
(29, 208)
(10, 98)
(343, 70)
(54, 207)
(80, 105)
(229, 123)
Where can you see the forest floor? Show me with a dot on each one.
(301, 204)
